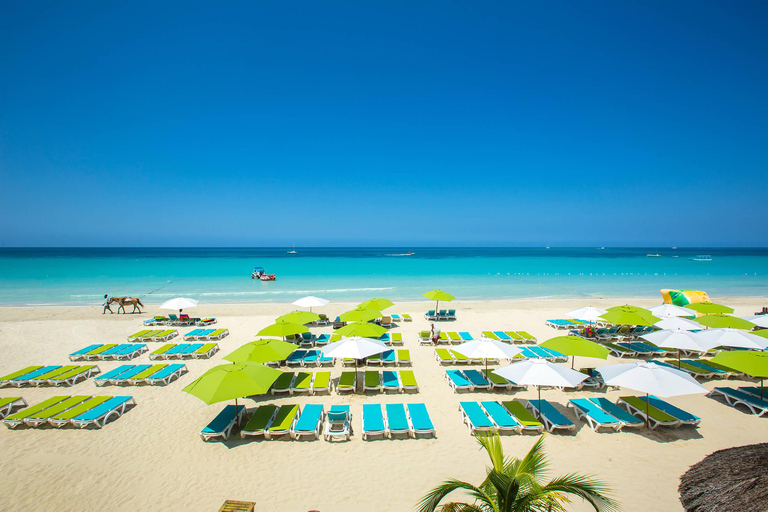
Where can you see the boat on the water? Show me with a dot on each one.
(260, 274)
(701, 257)
(292, 251)
(653, 255)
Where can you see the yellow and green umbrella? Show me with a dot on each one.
(437, 296)
(360, 315)
(709, 308)
(576, 346)
(298, 317)
(754, 363)
(377, 304)
(721, 321)
(262, 351)
(282, 329)
(362, 329)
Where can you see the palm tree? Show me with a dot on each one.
(516, 485)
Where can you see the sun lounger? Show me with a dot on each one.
(388, 358)
(444, 356)
(527, 337)
(430, 315)
(404, 357)
(374, 360)
(217, 334)
(42, 378)
(9, 403)
(321, 383)
(442, 314)
(8, 378)
(517, 338)
(129, 352)
(502, 336)
(736, 397)
(41, 417)
(619, 351)
(160, 352)
(424, 338)
(505, 422)
(637, 347)
(257, 425)
(103, 379)
(301, 383)
(656, 417)
(284, 421)
(166, 375)
(594, 415)
(347, 382)
(390, 381)
(102, 413)
(25, 377)
(160, 336)
(183, 348)
(65, 418)
(338, 423)
(311, 358)
(223, 424)
(373, 421)
(295, 358)
(204, 321)
(407, 317)
(395, 317)
(396, 420)
(491, 335)
(395, 338)
(80, 354)
(626, 419)
(372, 381)
(309, 423)
(138, 374)
(754, 391)
(386, 321)
(16, 419)
(731, 372)
(475, 418)
(408, 381)
(192, 335)
(419, 420)
(460, 358)
(283, 383)
(206, 351)
(137, 335)
(457, 381)
(477, 379)
(685, 417)
(702, 365)
(693, 370)
(499, 382)
(154, 321)
(550, 416)
(71, 377)
(454, 338)
(527, 421)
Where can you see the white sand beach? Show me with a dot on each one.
(152, 458)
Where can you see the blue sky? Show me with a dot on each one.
(383, 123)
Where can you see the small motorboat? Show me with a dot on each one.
(260, 274)
(653, 255)
(701, 257)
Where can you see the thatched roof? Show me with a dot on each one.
(735, 479)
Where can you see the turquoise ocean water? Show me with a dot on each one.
(83, 276)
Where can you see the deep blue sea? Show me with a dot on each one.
(83, 276)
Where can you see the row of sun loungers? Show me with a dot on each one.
(206, 334)
(79, 411)
(399, 357)
(174, 320)
(152, 374)
(184, 350)
(478, 380)
(108, 352)
(401, 317)
(308, 358)
(748, 397)
(510, 336)
(443, 314)
(457, 338)
(509, 417)
(303, 382)
(570, 323)
(321, 382)
(154, 335)
(660, 413)
(394, 420)
(49, 375)
(636, 349)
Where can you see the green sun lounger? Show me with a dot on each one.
(41, 417)
(65, 418)
(527, 420)
(16, 419)
(321, 383)
(43, 378)
(685, 417)
(301, 383)
(160, 353)
(656, 417)
(491, 335)
(15, 375)
(71, 377)
(443, 356)
(141, 376)
(372, 381)
(259, 422)
(346, 382)
(396, 338)
(206, 351)
(408, 381)
(373, 360)
(497, 381)
(9, 403)
(404, 357)
(515, 336)
(460, 358)
(284, 420)
(283, 383)
(454, 337)
(80, 354)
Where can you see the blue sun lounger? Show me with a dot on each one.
(137, 369)
(503, 336)
(685, 417)
(223, 424)
(23, 379)
(504, 421)
(735, 397)
(191, 335)
(79, 354)
(421, 423)
(101, 414)
(104, 379)
(390, 381)
(475, 418)
(477, 379)
(465, 336)
(594, 415)
(309, 423)
(294, 359)
(457, 381)
(129, 352)
(167, 374)
(549, 416)
(310, 358)
(388, 357)
(337, 423)
(397, 420)
(373, 421)
(626, 419)
(180, 348)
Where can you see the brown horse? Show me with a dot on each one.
(127, 301)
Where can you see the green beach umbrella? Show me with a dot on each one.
(709, 308)
(761, 332)
(361, 329)
(360, 315)
(298, 317)
(720, 321)
(262, 351)
(629, 315)
(750, 362)
(282, 329)
(576, 346)
(437, 296)
(377, 304)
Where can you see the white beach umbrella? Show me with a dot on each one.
(679, 339)
(310, 301)
(677, 323)
(587, 313)
(671, 311)
(487, 348)
(650, 378)
(354, 347)
(179, 303)
(728, 337)
(758, 320)
(540, 372)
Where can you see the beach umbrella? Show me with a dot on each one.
(720, 321)
(310, 301)
(679, 339)
(540, 372)
(709, 308)
(587, 313)
(262, 351)
(377, 304)
(283, 329)
(650, 378)
(179, 303)
(758, 320)
(734, 338)
(362, 329)
(233, 381)
(487, 348)
(671, 311)
(298, 317)
(576, 346)
(749, 362)
(678, 323)
(760, 332)
(354, 347)
(437, 296)
(360, 315)
(629, 315)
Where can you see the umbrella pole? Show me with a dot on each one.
(761, 388)
(237, 415)
(573, 361)
(678, 359)
(647, 406)
(539, 388)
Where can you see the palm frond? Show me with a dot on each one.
(587, 488)
(431, 501)
(492, 445)
(535, 462)
(460, 507)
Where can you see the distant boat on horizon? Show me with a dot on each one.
(701, 257)
(293, 251)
